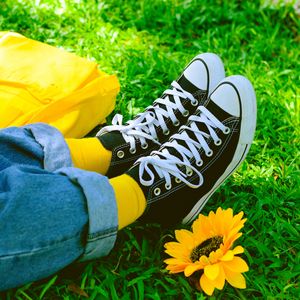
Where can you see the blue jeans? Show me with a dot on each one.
(51, 214)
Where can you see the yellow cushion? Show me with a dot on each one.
(41, 83)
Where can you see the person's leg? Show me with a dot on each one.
(43, 224)
(130, 198)
(19, 147)
(176, 181)
(51, 213)
(89, 154)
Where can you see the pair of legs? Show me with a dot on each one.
(52, 213)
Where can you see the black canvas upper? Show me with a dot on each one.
(171, 206)
(115, 142)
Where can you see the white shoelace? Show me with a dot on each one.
(167, 164)
(145, 125)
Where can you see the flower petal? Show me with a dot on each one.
(185, 237)
(201, 227)
(204, 260)
(179, 255)
(212, 271)
(238, 250)
(235, 279)
(173, 261)
(220, 280)
(225, 217)
(229, 241)
(173, 245)
(228, 256)
(176, 268)
(206, 285)
(234, 231)
(177, 250)
(237, 264)
(237, 218)
(190, 269)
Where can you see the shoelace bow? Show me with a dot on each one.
(166, 164)
(145, 125)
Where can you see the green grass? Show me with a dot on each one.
(147, 43)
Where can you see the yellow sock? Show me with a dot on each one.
(89, 154)
(130, 199)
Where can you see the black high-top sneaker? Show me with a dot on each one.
(179, 178)
(148, 130)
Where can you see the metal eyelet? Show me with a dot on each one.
(176, 123)
(132, 151)
(157, 191)
(144, 146)
(199, 163)
(185, 113)
(177, 180)
(195, 103)
(168, 186)
(120, 154)
(218, 142)
(226, 130)
(209, 153)
(189, 172)
(167, 132)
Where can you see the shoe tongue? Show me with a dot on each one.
(187, 85)
(111, 140)
(217, 111)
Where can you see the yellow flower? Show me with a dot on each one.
(208, 249)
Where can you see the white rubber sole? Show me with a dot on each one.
(215, 69)
(248, 113)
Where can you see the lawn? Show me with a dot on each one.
(147, 43)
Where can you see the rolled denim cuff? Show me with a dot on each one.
(102, 209)
(56, 151)
(101, 203)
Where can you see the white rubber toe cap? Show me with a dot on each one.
(205, 71)
(197, 74)
(235, 94)
(226, 97)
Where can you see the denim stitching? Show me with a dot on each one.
(102, 234)
(53, 245)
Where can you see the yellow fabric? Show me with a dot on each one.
(130, 199)
(41, 83)
(89, 154)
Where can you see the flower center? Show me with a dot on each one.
(206, 247)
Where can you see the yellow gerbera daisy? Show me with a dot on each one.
(208, 249)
